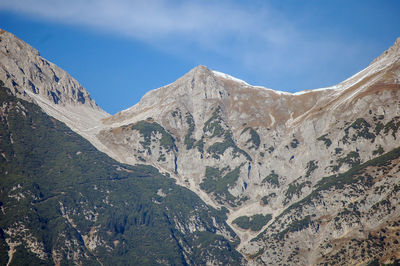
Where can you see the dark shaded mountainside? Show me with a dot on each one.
(64, 202)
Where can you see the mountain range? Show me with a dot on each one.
(206, 170)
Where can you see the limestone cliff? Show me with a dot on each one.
(262, 153)
(33, 78)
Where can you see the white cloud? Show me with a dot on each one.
(155, 19)
(256, 36)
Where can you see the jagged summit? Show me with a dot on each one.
(27, 73)
(196, 79)
(33, 78)
(202, 83)
(201, 89)
(389, 57)
(197, 71)
(8, 37)
(392, 52)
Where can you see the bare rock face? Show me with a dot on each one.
(308, 178)
(35, 79)
(280, 162)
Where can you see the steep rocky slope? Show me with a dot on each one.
(307, 178)
(259, 152)
(33, 78)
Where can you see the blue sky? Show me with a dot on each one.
(121, 49)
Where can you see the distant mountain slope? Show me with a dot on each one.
(258, 152)
(64, 202)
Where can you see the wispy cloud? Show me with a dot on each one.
(256, 35)
(158, 19)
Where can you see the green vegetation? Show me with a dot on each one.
(213, 125)
(378, 127)
(214, 128)
(393, 125)
(338, 150)
(352, 176)
(161, 158)
(379, 151)
(176, 114)
(199, 145)
(219, 148)
(374, 262)
(59, 172)
(351, 159)
(356, 177)
(294, 143)
(254, 223)
(295, 188)
(296, 226)
(243, 222)
(264, 200)
(218, 184)
(254, 137)
(326, 140)
(361, 127)
(311, 166)
(272, 178)
(271, 149)
(360, 123)
(150, 129)
(259, 253)
(189, 140)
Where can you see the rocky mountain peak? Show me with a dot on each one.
(198, 73)
(198, 82)
(394, 50)
(7, 39)
(33, 78)
(196, 92)
(27, 74)
(392, 53)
